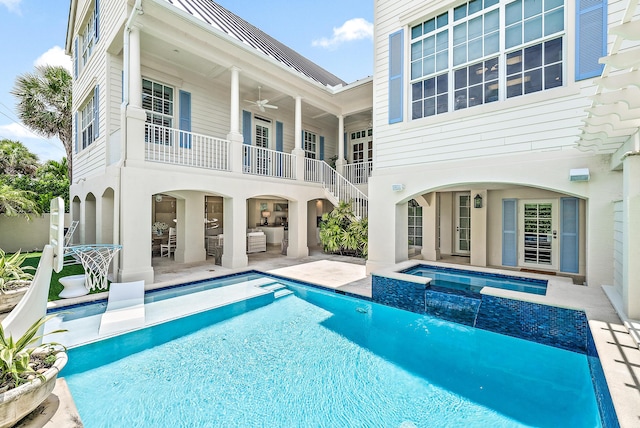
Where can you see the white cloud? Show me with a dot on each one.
(54, 56)
(353, 29)
(15, 131)
(12, 5)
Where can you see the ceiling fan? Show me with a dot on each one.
(260, 103)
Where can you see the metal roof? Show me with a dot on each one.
(223, 20)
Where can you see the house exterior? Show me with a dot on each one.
(171, 127)
(491, 130)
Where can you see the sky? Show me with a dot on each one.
(335, 34)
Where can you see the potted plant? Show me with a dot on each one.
(14, 280)
(27, 373)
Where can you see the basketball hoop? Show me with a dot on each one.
(95, 259)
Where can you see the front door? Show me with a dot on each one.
(539, 237)
(463, 223)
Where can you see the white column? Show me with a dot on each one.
(135, 230)
(478, 220)
(190, 228)
(429, 204)
(234, 136)
(135, 115)
(631, 235)
(297, 229)
(234, 254)
(234, 126)
(135, 75)
(298, 151)
(341, 161)
(298, 124)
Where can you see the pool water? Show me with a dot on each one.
(320, 359)
(466, 280)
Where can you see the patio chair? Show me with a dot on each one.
(125, 308)
(170, 246)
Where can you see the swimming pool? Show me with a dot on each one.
(315, 358)
(474, 281)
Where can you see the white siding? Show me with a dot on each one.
(92, 160)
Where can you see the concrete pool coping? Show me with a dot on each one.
(619, 355)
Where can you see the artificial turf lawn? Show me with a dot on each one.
(55, 288)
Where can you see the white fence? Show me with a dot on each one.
(358, 173)
(270, 163)
(170, 145)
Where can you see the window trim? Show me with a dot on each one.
(87, 127)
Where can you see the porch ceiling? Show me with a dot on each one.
(614, 115)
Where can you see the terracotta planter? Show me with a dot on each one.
(17, 403)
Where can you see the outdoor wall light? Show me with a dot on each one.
(477, 201)
(579, 174)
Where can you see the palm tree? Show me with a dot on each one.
(17, 202)
(44, 104)
(16, 159)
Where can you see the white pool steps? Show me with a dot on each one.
(86, 329)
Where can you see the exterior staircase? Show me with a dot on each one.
(337, 188)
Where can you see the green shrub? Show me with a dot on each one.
(12, 271)
(343, 233)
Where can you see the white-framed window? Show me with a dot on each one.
(157, 102)
(263, 131)
(484, 51)
(362, 145)
(86, 40)
(310, 141)
(88, 122)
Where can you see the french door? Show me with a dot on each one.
(262, 139)
(463, 223)
(538, 234)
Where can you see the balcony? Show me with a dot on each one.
(176, 147)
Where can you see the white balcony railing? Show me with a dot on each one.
(170, 145)
(342, 189)
(358, 173)
(269, 163)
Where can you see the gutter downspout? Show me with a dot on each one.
(137, 10)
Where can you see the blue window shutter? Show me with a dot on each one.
(185, 118)
(96, 17)
(246, 127)
(346, 147)
(77, 123)
(569, 234)
(96, 112)
(279, 136)
(75, 58)
(321, 147)
(509, 232)
(591, 37)
(396, 58)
